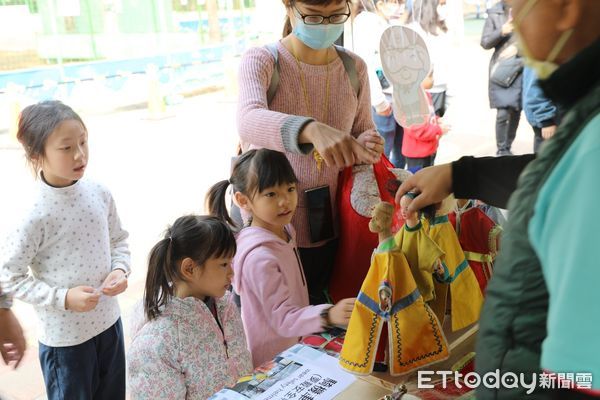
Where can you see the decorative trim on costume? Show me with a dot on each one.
(439, 220)
(493, 239)
(479, 257)
(414, 228)
(405, 301)
(438, 340)
(370, 346)
(364, 195)
(449, 279)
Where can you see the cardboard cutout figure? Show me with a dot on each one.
(389, 295)
(405, 62)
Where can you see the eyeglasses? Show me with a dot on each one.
(319, 19)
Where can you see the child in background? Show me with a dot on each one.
(69, 259)
(420, 142)
(192, 343)
(268, 272)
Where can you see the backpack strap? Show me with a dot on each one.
(347, 60)
(350, 67)
(272, 47)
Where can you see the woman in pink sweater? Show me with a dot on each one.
(268, 272)
(318, 113)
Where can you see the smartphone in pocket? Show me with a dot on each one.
(320, 215)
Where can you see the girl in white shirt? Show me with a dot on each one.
(69, 258)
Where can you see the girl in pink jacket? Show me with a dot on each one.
(268, 272)
(192, 343)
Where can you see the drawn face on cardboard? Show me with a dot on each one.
(405, 61)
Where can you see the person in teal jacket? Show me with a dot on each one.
(539, 316)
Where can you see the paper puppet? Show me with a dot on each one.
(465, 295)
(405, 62)
(362, 187)
(479, 237)
(422, 253)
(389, 295)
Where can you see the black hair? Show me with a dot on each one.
(287, 26)
(36, 124)
(253, 172)
(199, 237)
(426, 12)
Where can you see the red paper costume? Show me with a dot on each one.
(479, 237)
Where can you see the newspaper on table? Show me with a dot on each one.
(298, 373)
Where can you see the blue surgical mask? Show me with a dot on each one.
(317, 36)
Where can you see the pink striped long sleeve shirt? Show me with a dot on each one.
(277, 126)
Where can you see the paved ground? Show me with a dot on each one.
(159, 169)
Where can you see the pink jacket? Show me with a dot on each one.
(271, 284)
(183, 354)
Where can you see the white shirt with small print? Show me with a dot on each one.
(71, 237)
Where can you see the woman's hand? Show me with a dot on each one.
(336, 147)
(373, 142)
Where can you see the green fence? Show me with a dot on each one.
(42, 32)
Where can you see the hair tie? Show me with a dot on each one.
(171, 239)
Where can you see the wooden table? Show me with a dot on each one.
(378, 384)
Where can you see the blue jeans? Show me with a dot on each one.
(393, 134)
(94, 369)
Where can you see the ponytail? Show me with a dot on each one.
(158, 284)
(198, 237)
(253, 171)
(215, 202)
(287, 26)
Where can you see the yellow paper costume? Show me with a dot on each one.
(465, 296)
(389, 294)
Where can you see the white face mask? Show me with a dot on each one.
(542, 68)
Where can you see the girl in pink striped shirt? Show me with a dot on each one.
(319, 116)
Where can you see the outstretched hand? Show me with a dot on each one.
(432, 185)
